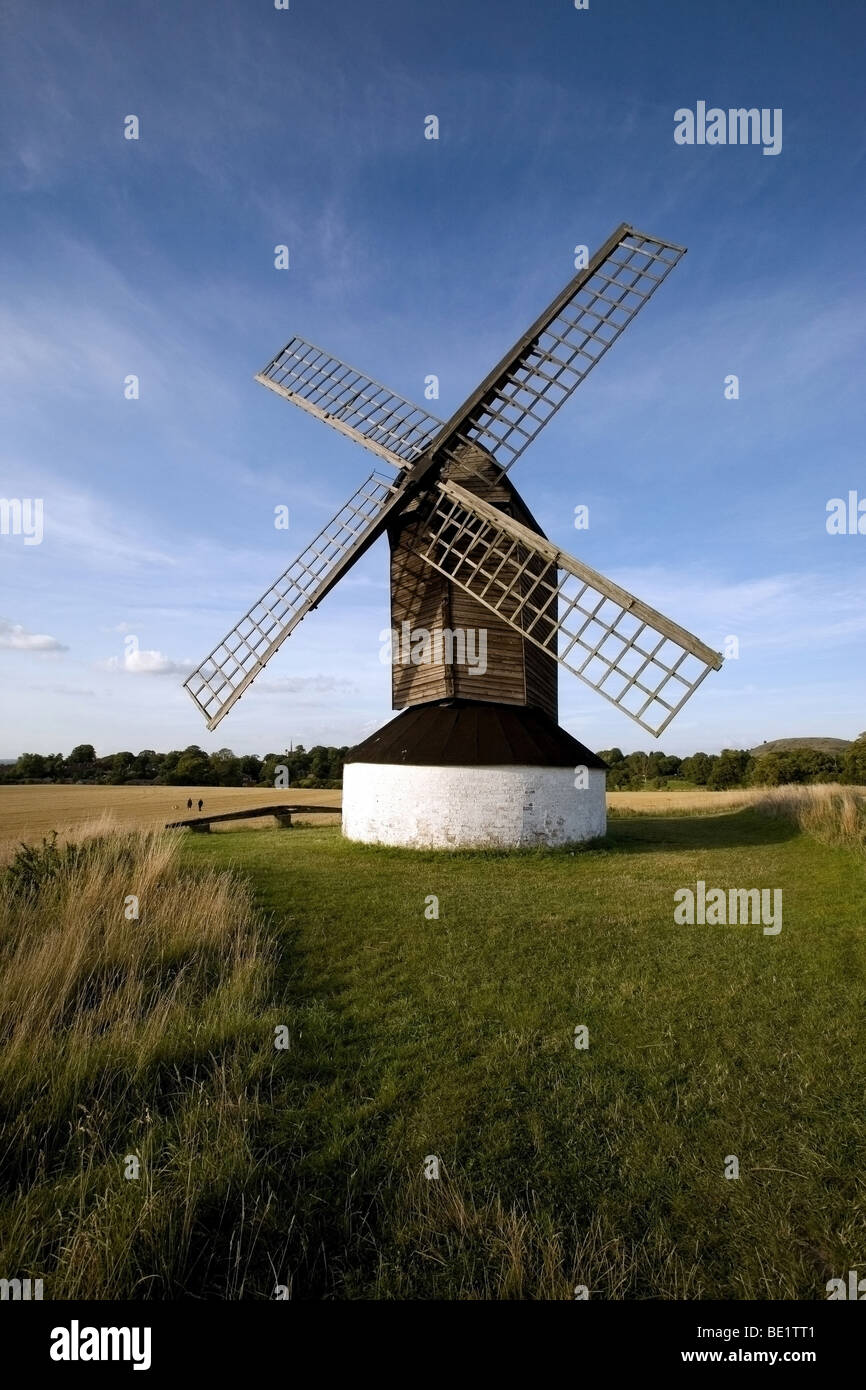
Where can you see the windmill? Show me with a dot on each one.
(477, 755)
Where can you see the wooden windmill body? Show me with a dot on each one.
(476, 756)
(517, 671)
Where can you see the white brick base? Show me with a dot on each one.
(465, 807)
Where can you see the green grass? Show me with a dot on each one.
(788, 745)
(451, 1037)
(454, 1037)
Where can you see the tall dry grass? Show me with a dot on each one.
(492, 1250)
(834, 814)
(124, 1038)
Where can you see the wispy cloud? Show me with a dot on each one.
(15, 638)
(76, 690)
(789, 611)
(302, 685)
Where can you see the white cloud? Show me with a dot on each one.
(14, 637)
(798, 612)
(147, 663)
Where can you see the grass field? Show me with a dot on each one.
(453, 1037)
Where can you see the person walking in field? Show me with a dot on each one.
(200, 804)
(189, 804)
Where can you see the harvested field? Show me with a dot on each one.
(29, 812)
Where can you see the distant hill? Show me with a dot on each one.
(789, 745)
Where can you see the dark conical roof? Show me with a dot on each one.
(473, 733)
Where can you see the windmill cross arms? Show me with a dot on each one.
(225, 674)
(639, 660)
(381, 421)
(344, 398)
(501, 418)
(516, 400)
(535, 379)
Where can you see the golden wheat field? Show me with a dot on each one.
(674, 802)
(29, 812)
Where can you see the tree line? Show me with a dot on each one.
(323, 767)
(192, 766)
(735, 767)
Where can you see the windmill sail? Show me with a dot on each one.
(355, 404)
(645, 664)
(639, 660)
(535, 379)
(223, 676)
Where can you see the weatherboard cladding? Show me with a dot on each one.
(462, 733)
(517, 671)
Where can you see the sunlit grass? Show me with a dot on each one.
(452, 1036)
(127, 1036)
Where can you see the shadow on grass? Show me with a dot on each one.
(649, 834)
(640, 834)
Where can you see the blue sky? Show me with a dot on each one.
(409, 257)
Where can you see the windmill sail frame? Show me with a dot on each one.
(490, 556)
(627, 651)
(551, 359)
(221, 679)
(356, 405)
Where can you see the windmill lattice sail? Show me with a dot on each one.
(356, 405)
(224, 675)
(639, 660)
(557, 353)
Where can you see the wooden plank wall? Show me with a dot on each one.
(518, 672)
